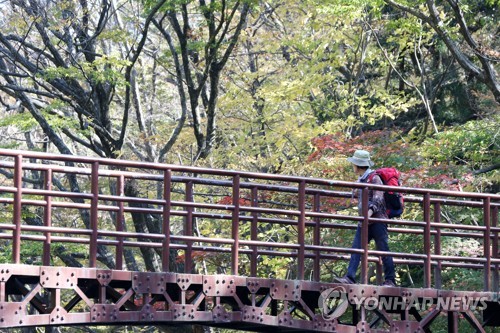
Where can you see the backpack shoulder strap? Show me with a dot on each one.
(374, 173)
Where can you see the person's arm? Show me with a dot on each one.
(376, 204)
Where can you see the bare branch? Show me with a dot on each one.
(486, 73)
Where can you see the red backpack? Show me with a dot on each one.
(394, 201)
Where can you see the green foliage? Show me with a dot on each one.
(170, 5)
(58, 121)
(31, 252)
(347, 9)
(23, 121)
(462, 279)
(475, 144)
(115, 35)
(105, 69)
(62, 72)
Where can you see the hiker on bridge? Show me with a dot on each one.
(362, 164)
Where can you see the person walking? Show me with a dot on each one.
(362, 163)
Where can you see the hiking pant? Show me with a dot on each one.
(378, 232)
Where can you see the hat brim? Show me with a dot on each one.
(360, 162)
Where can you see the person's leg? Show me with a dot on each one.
(355, 257)
(379, 233)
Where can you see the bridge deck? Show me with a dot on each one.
(79, 210)
(47, 295)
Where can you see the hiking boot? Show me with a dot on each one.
(388, 283)
(344, 280)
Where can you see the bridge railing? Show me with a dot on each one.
(242, 217)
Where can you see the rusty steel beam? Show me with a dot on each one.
(76, 296)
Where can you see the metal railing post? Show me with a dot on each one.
(18, 184)
(94, 214)
(494, 223)
(380, 271)
(427, 241)
(317, 239)
(437, 246)
(188, 229)
(452, 322)
(487, 243)
(364, 236)
(47, 218)
(301, 228)
(120, 217)
(167, 197)
(254, 233)
(235, 225)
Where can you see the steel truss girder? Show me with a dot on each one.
(50, 296)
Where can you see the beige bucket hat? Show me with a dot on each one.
(361, 158)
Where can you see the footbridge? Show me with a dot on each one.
(91, 241)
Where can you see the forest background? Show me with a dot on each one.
(278, 86)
